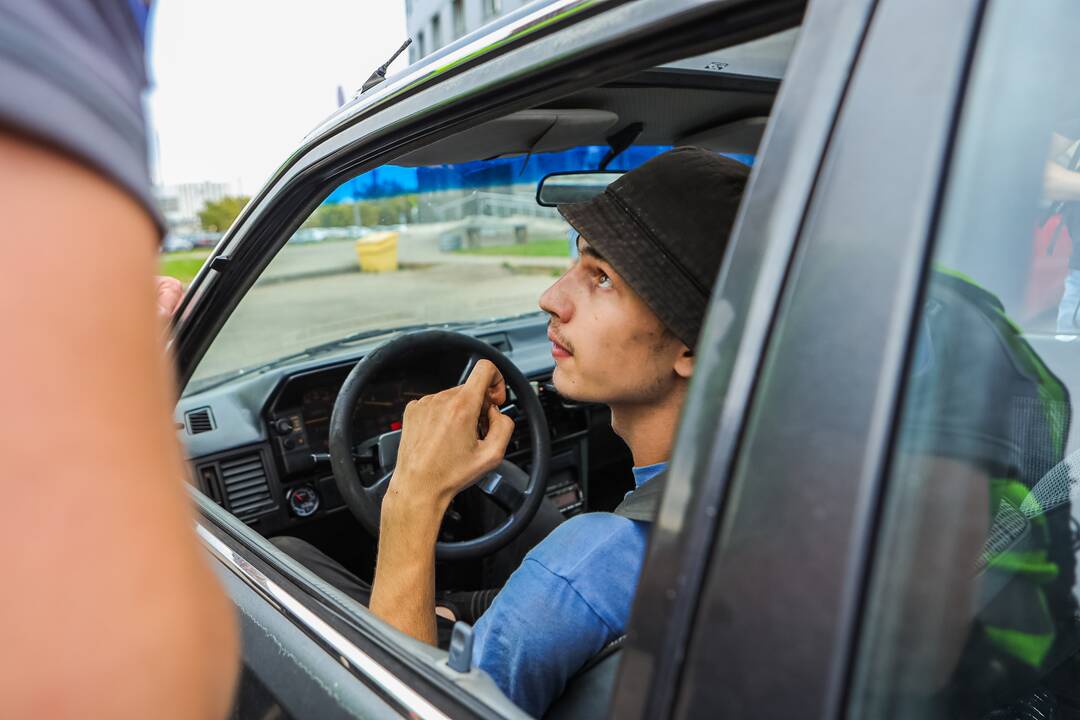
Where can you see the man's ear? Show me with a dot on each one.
(684, 362)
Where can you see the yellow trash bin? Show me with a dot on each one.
(377, 252)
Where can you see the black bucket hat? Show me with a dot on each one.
(664, 227)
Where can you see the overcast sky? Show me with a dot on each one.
(236, 84)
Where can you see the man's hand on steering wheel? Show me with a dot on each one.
(444, 448)
(450, 439)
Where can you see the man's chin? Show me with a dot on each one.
(565, 386)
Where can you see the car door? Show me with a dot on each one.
(305, 651)
(890, 533)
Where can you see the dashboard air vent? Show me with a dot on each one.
(210, 482)
(499, 341)
(243, 479)
(199, 421)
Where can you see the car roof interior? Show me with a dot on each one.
(697, 101)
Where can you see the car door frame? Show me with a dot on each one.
(544, 54)
(802, 468)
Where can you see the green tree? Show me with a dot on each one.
(218, 216)
(331, 215)
(385, 211)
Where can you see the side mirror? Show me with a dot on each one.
(571, 187)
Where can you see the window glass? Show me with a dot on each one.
(402, 246)
(972, 607)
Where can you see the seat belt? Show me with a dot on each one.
(642, 504)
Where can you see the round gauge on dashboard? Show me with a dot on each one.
(303, 501)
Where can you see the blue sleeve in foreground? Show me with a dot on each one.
(529, 654)
(570, 597)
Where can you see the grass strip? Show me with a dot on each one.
(183, 265)
(558, 247)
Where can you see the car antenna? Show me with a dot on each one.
(380, 73)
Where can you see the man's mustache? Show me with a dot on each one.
(555, 335)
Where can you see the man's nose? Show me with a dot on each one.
(555, 301)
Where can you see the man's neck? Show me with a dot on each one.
(649, 430)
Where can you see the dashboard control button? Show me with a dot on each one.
(303, 501)
(288, 443)
(282, 426)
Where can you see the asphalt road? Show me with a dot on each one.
(287, 314)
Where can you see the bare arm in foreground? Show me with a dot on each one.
(108, 607)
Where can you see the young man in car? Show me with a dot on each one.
(624, 321)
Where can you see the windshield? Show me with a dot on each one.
(403, 247)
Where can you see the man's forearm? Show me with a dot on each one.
(88, 337)
(403, 592)
(440, 455)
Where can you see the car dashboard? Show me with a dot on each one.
(259, 445)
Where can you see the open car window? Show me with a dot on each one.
(449, 235)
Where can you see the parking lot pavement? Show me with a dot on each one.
(282, 317)
(312, 259)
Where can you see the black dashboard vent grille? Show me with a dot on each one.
(199, 421)
(210, 482)
(247, 493)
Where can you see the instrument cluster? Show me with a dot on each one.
(299, 417)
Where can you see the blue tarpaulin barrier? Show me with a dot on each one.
(393, 180)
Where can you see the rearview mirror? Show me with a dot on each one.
(571, 187)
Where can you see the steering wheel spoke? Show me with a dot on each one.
(377, 490)
(505, 486)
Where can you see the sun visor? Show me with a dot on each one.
(741, 136)
(527, 131)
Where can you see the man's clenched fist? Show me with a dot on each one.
(442, 451)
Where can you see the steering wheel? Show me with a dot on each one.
(503, 485)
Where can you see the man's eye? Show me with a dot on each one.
(603, 280)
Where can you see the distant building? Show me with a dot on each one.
(433, 24)
(181, 204)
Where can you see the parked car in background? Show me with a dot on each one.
(204, 239)
(174, 243)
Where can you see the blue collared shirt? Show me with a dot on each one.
(570, 597)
